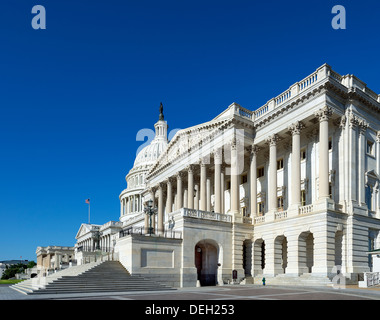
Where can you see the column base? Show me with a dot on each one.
(293, 210)
(324, 204)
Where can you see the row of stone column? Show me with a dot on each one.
(132, 203)
(105, 242)
(196, 195)
(295, 199)
(204, 188)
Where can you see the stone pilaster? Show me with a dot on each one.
(295, 194)
(179, 190)
(160, 218)
(203, 186)
(253, 181)
(272, 177)
(217, 180)
(323, 116)
(190, 186)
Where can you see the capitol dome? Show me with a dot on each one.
(150, 153)
(131, 198)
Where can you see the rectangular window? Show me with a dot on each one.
(370, 148)
(228, 185)
(244, 178)
(303, 154)
(260, 172)
(330, 190)
(303, 198)
(280, 164)
(280, 203)
(330, 144)
(260, 208)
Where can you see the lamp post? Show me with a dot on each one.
(150, 211)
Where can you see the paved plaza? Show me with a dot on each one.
(227, 293)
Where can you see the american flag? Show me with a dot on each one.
(88, 201)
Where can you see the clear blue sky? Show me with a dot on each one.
(74, 96)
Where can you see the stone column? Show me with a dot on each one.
(223, 187)
(208, 192)
(203, 186)
(235, 180)
(272, 176)
(363, 125)
(179, 191)
(196, 198)
(323, 115)
(253, 181)
(185, 198)
(169, 198)
(190, 187)
(217, 181)
(295, 195)
(378, 170)
(352, 153)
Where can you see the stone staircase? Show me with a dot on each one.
(107, 276)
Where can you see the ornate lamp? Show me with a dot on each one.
(150, 211)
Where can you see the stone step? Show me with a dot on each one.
(108, 276)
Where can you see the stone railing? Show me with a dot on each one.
(305, 209)
(280, 215)
(293, 91)
(243, 112)
(206, 215)
(259, 219)
(111, 224)
(371, 279)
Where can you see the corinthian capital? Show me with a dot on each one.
(254, 149)
(363, 125)
(272, 140)
(323, 114)
(296, 127)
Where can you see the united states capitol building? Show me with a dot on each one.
(287, 191)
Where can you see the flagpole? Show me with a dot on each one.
(88, 212)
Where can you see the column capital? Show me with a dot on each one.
(363, 125)
(235, 142)
(179, 175)
(296, 127)
(153, 190)
(161, 185)
(378, 137)
(218, 155)
(254, 149)
(190, 168)
(342, 122)
(204, 161)
(352, 120)
(169, 180)
(272, 140)
(324, 114)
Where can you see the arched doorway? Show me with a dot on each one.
(280, 254)
(306, 252)
(206, 262)
(259, 257)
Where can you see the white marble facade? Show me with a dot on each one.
(291, 188)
